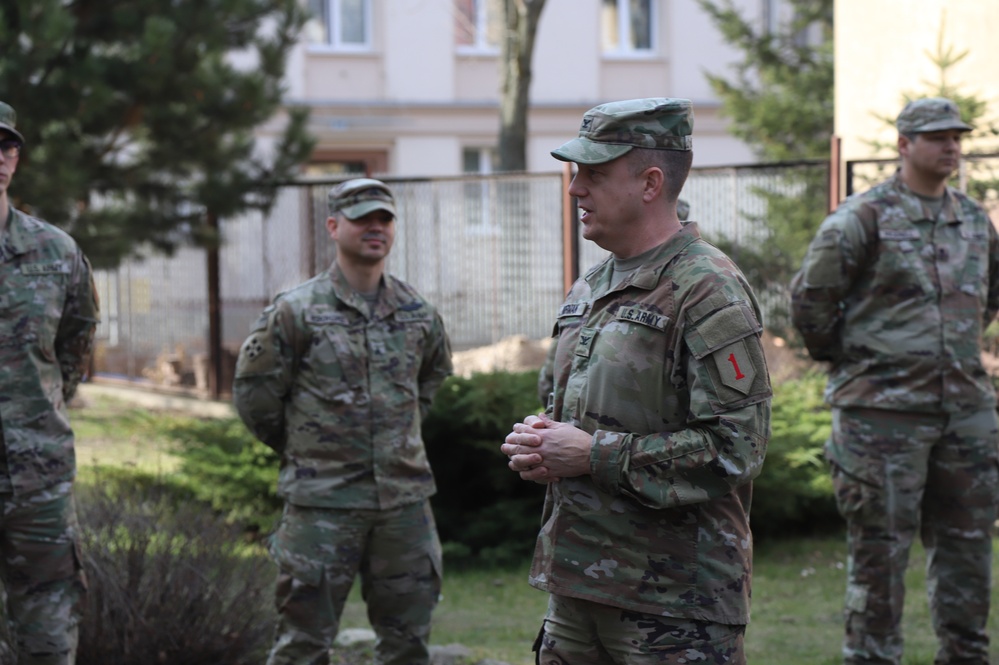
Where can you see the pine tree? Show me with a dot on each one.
(139, 115)
(780, 102)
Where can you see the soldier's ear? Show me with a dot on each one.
(331, 226)
(903, 145)
(653, 185)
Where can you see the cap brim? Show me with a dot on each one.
(364, 207)
(943, 125)
(7, 128)
(585, 151)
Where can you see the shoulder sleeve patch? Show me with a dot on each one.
(735, 366)
(722, 328)
(258, 354)
(726, 347)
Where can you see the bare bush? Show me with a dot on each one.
(169, 582)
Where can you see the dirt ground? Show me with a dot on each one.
(519, 353)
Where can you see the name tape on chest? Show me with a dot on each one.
(896, 235)
(573, 309)
(404, 316)
(323, 316)
(49, 268)
(643, 317)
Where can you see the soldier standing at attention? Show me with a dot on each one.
(48, 313)
(659, 419)
(895, 291)
(337, 377)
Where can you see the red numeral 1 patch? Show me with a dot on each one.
(735, 366)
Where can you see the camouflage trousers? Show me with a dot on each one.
(581, 632)
(896, 474)
(41, 572)
(320, 551)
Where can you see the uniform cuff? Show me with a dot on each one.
(607, 459)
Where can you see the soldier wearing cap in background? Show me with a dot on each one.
(48, 314)
(337, 376)
(659, 418)
(895, 292)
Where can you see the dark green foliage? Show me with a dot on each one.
(138, 119)
(780, 101)
(790, 222)
(794, 493)
(168, 581)
(482, 508)
(225, 467)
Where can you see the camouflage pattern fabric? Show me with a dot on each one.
(667, 372)
(546, 375)
(898, 302)
(42, 574)
(341, 394)
(578, 632)
(48, 314)
(339, 387)
(930, 114)
(611, 130)
(897, 298)
(321, 551)
(897, 474)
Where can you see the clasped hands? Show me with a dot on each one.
(543, 450)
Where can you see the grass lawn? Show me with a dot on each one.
(797, 587)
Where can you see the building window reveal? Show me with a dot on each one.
(478, 25)
(627, 26)
(343, 25)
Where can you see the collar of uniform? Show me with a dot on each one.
(648, 275)
(913, 205)
(16, 237)
(388, 298)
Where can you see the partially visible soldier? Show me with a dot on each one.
(48, 313)
(895, 291)
(659, 418)
(546, 375)
(337, 376)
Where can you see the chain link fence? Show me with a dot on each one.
(486, 250)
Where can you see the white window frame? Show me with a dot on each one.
(625, 48)
(334, 13)
(486, 194)
(481, 46)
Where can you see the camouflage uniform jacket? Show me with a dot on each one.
(899, 302)
(48, 313)
(667, 372)
(341, 394)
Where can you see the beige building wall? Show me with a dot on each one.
(418, 101)
(883, 49)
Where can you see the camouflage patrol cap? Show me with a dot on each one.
(931, 114)
(8, 119)
(611, 130)
(356, 198)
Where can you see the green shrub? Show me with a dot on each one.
(485, 513)
(794, 492)
(169, 582)
(225, 467)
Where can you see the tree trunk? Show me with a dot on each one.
(521, 20)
